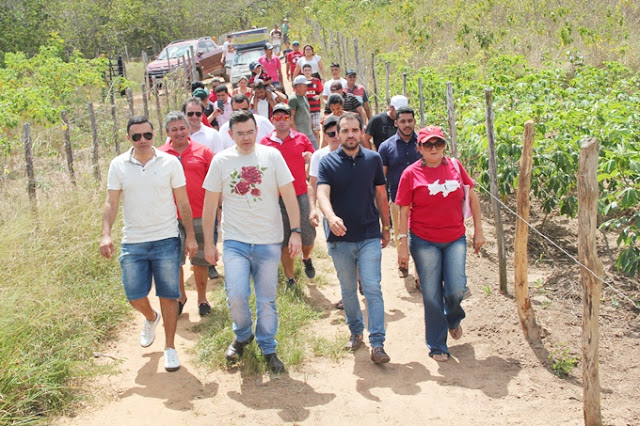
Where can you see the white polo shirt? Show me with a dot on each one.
(264, 129)
(148, 210)
(207, 136)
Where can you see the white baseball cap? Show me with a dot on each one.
(301, 79)
(398, 101)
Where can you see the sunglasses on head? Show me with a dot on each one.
(331, 134)
(428, 145)
(137, 136)
(280, 117)
(196, 113)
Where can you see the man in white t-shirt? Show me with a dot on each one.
(276, 39)
(248, 179)
(241, 103)
(150, 241)
(193, 108)
(335, 74)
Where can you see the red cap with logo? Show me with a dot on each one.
(430, 132)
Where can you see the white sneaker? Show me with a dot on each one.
(171, 361)
(148, 334)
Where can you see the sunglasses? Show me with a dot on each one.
(280, 117)
(196, 113)
(331, 134)
(137, 136)
(428, 145)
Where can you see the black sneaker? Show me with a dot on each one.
(274, 364)
(236, 349)
(309, 270)
(291, 283)
(213, 274)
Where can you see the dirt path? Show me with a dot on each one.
(494, 377)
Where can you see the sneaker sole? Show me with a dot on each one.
(172, 369)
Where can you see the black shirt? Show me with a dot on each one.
(381, 127)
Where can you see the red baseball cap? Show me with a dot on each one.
(430, 132)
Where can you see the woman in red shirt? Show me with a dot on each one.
(431, 196)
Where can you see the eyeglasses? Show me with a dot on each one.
(428, 145)
(331, 134)
(196, 113)
(137, 136)
(280, 117)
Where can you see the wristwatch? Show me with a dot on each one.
(298, 230)
(402, 236)
(386, 228)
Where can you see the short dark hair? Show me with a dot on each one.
(197, 85)
(192, 100)
(241, 117)
(306, 66)
(222, 88)
(405, 110)
(329, 122)
(138, 119)
(239, 98)
(336, 85)
(349, 116)
(334, 65)
(335, 99)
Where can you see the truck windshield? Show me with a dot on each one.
(173, 52)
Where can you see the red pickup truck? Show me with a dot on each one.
(208, 57)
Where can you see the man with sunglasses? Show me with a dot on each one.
(193, 108)
(195, 159)
(150, 241)
(397, 153)
(241, 103)
(296, 148)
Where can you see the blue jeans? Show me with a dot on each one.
(142, 261)
(365, 256)
(441, 268)
(260, 261)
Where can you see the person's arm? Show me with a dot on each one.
(211, 201)
(290, 201)
(182, 201)
(109, 213)
(280, 97)
(314, 218)
(280, 78)
(293, 121)
(367, 109)
(335, 223)
(321, 71)
(403, 238)
(366, 142)
(363, 114)
(296, 71)
(385, 169)
(476, 213)
(383, 207)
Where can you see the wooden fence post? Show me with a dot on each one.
(421, 95)
(167, 92)
(375, 82)
(192, 62)
(126, 53)
(130, 100)
(404, 84)
(31, 177)
(145, 101)
(158, 110)
(346, 54)
(386, 82)
(452, 120)
(355, 53)
(94, 131)
(520, 255)
(493, 178)
(67, 147)
(114, 117)
(591, 285)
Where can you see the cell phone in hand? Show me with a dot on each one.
(220, 104)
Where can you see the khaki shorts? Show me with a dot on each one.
(198, 259)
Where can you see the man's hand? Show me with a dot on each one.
(295, 244)
(307, 156)
(314, 218)
(190, 246)
(211, 254)
(337, 227)
(478, 241)
(386, 236)
(106, 246)
(403, 253)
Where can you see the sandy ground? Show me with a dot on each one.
(494, 376)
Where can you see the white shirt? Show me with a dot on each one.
(226, 113)
(264, 129)
(262, 108)
(314, 165)
(148, 209)
(249, 186)
(208, 137)
(326, 91)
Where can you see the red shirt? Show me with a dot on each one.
(292, 149)
(314, 89)
(292, 59)
(433, 216)
(195, 160)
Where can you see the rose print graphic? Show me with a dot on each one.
(246, 181)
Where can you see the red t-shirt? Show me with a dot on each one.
(433, 216)
(292, 149)
(292, 59)
(314, 89)
(195, 160)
